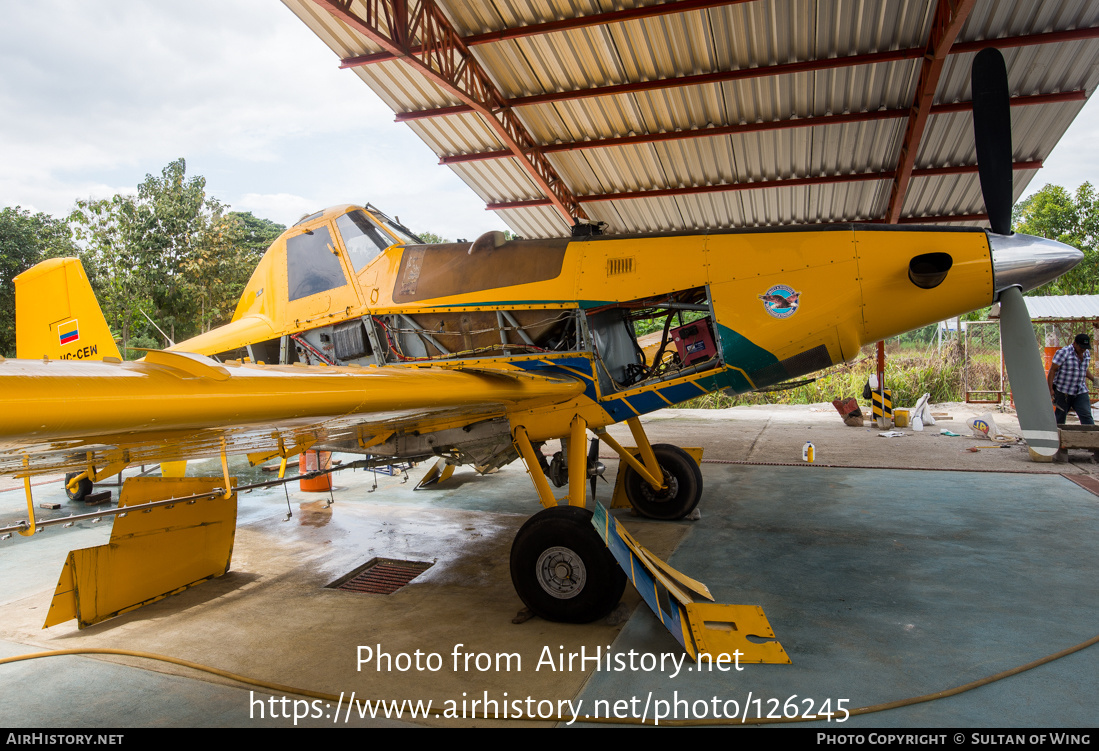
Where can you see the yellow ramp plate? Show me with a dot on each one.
(725, 629)
(739, 631)
(153, 552)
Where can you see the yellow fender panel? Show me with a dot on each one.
(152, 553)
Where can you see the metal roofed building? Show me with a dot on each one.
(1061, 317)
(1058, 318)
(1063, 308)
(693, 114)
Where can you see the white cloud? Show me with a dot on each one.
(282, 205)
(1075, 159)
(97, 95)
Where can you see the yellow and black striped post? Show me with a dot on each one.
(883, 409)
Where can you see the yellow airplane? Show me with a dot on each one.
(353, 336)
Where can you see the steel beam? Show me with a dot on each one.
(791, 182)
(1054, 37)
(950, 16)
(940, 219)
(1050, 37)
(700, 79)
(724, 130)
(448, 63)
(684, 6)
(566, 24)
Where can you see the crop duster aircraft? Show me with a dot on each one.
(355, 337)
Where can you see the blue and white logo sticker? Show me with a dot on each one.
(781, 301)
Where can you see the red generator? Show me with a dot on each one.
(694, 341)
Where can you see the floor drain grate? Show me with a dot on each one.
(380, 576)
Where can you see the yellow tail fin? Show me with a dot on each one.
(57, 315)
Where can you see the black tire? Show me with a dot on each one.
(681, 475)
(82, 488)
(561, 568)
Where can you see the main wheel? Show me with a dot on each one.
(82, 488)
(682, 477)
(561, 568)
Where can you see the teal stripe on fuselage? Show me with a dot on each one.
(740, 352)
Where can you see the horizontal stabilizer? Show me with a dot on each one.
(57, 315)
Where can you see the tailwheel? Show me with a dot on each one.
(561, 568)
(682, 481)
(82, 488)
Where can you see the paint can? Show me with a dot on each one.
(311, 461)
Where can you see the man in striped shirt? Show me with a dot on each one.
(1071, 366)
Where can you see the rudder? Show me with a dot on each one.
(57, 315)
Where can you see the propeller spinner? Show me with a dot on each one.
(1019, 262)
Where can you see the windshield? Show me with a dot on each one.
(403, 233)
(362, 238)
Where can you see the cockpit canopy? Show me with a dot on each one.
(320, 264)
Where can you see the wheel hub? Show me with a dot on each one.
(561, 573)
(669, 491)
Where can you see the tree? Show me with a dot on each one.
(431, 237)
(255, 235)
(25, 239)
(171, 252)
(249, 238)
(1072, 219)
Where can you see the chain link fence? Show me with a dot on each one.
(983, 381)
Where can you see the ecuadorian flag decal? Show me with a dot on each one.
(69, 332)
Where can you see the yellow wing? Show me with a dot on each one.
(64, 415)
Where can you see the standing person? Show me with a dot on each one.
(1071, 366)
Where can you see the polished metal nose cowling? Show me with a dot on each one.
(1028, 262)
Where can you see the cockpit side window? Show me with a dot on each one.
(362, 238)
(312, 265)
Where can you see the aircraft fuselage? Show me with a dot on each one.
(732, 310)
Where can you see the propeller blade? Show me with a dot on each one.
(1028, 379)
(992, 134)
(593, 456)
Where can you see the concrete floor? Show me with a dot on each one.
(881, 583)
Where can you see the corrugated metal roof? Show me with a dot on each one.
(1063, 307)
(745, 44)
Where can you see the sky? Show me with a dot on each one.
(94, 95)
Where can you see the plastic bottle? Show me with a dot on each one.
(808, 452)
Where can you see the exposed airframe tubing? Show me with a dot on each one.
(277, 687)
